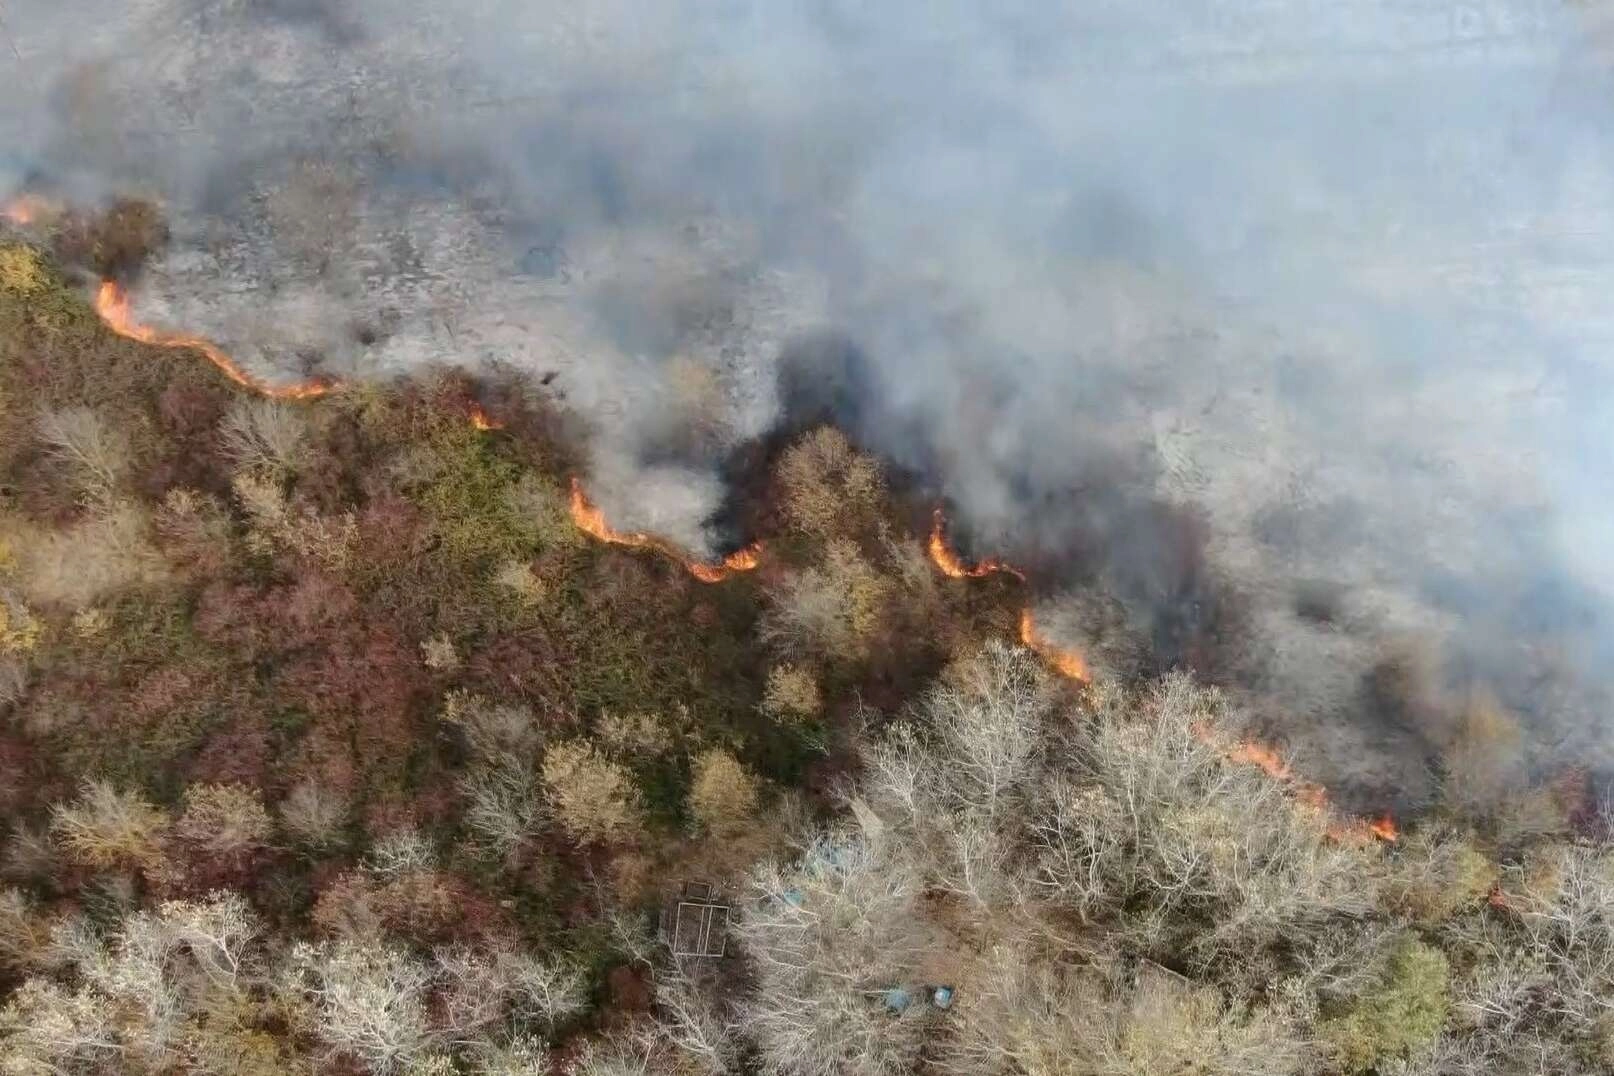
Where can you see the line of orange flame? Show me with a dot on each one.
(952, 566)
(1068, 663)
(112, 303)
(1265, 758)
(591, 520)
(1072, 665)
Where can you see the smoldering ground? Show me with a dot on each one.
(1280, 325)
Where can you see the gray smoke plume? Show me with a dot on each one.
(1285, 324)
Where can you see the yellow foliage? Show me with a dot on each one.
(223, 819)
(19, 629)
(438, 653)
(791, 693)
(1483, 758)
(276, 523)
(828, 486)
(833, 608)
(517, 577)
(21, 271)
(723, 795)
(90, 623)
(593, 796)
(105, 828)
(636, 734)
(104, 552)
(1436, 878)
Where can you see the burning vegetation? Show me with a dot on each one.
(26, 210)
(112, 303)
(591, 521)
(355, 712)
(1069, 663)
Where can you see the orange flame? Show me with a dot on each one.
(948, 562)
(112, 303)
(25, 209)
(1266, 758)
(1067, 663)
(1071, 664)
(590, 519)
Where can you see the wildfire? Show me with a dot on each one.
(1262, 757)
(112, 303)
(25, 209)
(1067, 663)
(1266, 758)
(1384, 828)
(1072, 665)
(1365, 830)
(948, 562)
(590, 519)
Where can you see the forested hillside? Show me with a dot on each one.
(343, 735)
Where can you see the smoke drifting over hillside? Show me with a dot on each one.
(1284, 325)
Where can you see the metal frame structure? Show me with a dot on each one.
(700, 924)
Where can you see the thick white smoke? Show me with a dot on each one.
(1331, 279)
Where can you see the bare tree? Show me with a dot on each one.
(366, 1000)
(503, 807)
(696, 1028)
(45, 1028)
(78, 438)
(314, 814)
(1028, 1016)
(264, 436)
(105, 827)
(834, 939)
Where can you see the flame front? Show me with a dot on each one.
(1266, 758)
(1072, 665)
(112, 303)
(590, 519)
(1263, 757)
(1067, 663)
(948, 562)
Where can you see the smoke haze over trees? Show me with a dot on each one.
(1279, 326)
(341, 734)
